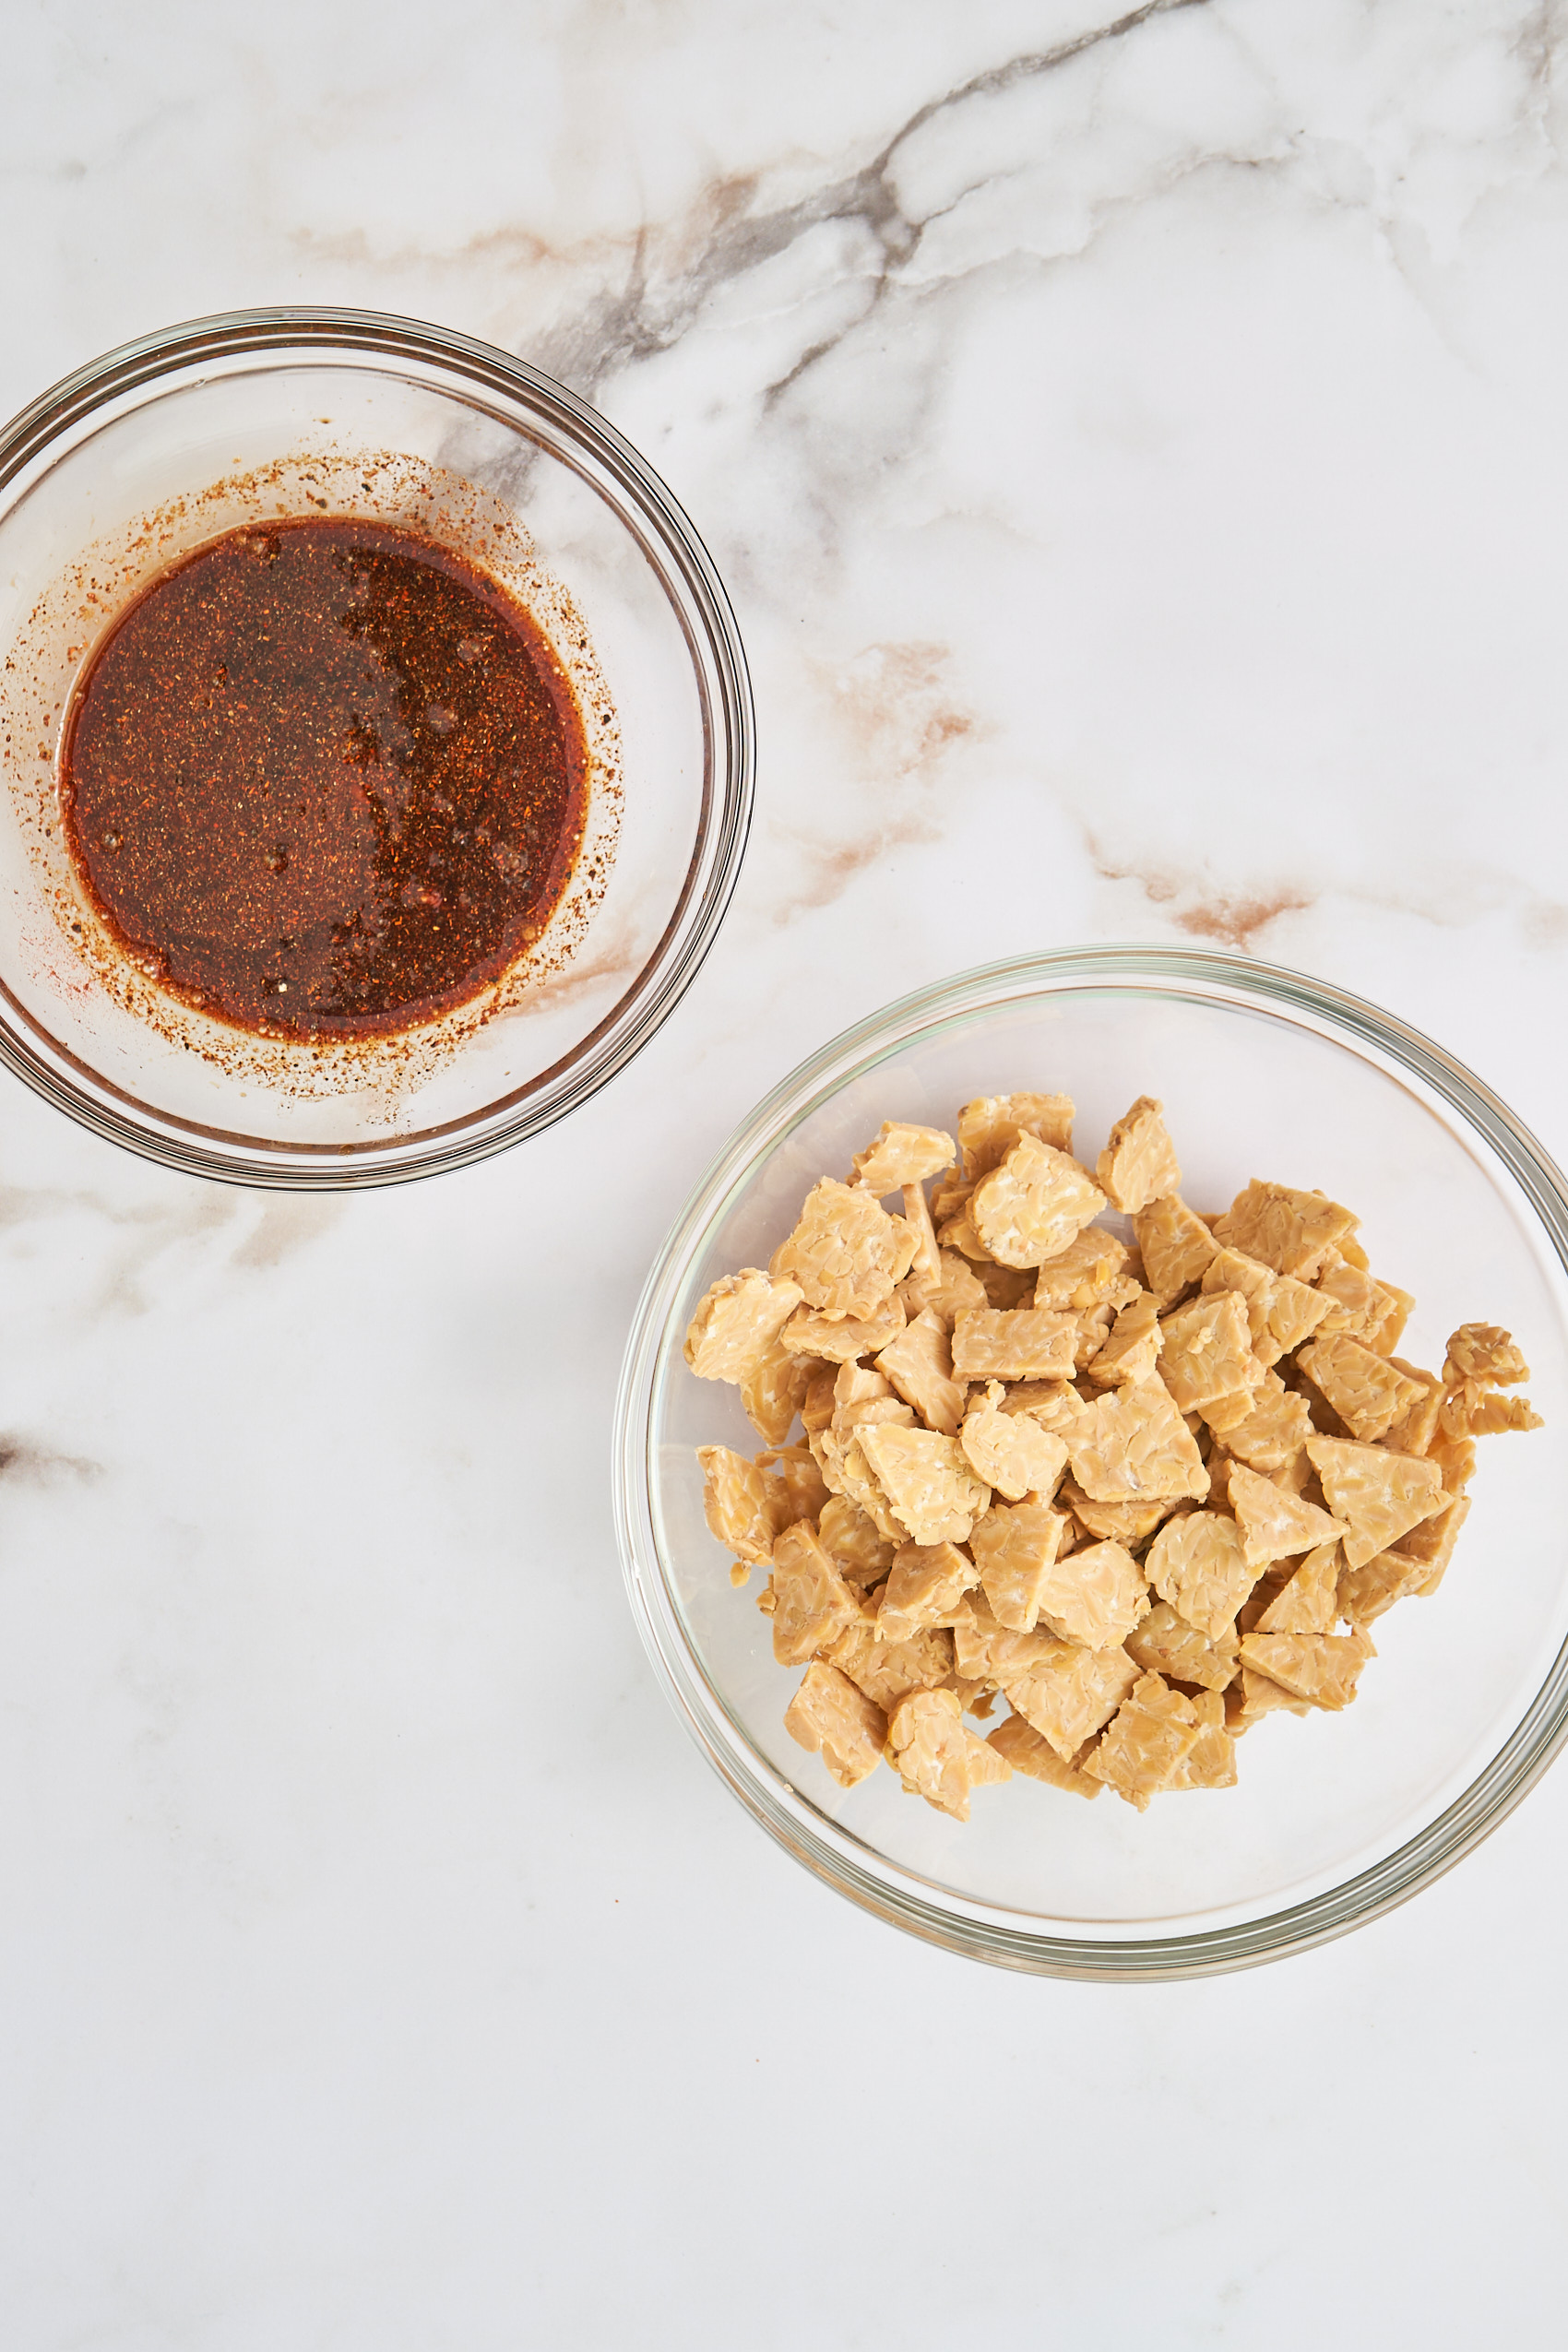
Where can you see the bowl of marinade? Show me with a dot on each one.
(377, 748)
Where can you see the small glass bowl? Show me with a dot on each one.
(1335, 1818)
(130, 463)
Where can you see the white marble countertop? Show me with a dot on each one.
(1135, 452)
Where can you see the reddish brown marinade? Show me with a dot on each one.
(325, 778)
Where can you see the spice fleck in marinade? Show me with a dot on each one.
(326, 779)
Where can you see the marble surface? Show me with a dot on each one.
(1135, 450)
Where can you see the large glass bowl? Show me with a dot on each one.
(1335, 1818)
(168, 441)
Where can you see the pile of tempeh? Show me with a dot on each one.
(1131, 1488)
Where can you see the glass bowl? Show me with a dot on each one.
(1335, 1819)
(168, 441)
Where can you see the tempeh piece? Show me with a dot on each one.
(1153, 1732)
(925, 1587)
(1309, 1600)
(1010, 1451)
(992, 1125)
(1176, 1246)
(1165, 1644)
(741, 1505)
(1138, 1164)
(811, 1604)
(1320, 1668)
(1198, 1565)
(737, 1321)
(1276, 1525)
(1132, 1445)
(843, 1251)
(1030, 1206)
(830, 1715)
(931, 1490)
(1017, 1343)
(1209, 1350)
(1095, 1595)
(900, 1155)
(1028, 1751)
(936, 1755)
(1293, 1232)
(1015, 1550)
(1366, 1391)
(1380, 1496)
(919, 1362)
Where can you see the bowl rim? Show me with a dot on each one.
(971, 1927)
(654, 517)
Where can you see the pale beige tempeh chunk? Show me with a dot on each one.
(1063, 1690)
(805, 1494)
(900, 1155)
(843, 1251)
(1486, 1412)
(737, 1322)
(1414, 1430)
(925, 1273)
(1365, 1390)
(958, 1289)
(919, 1362)
(852, 1541)
(1030, 1206)
(1091, 1271)
(1094, 1596)
(1320, 1668)
(1274, 1432)
(1252, 1696)
(992, 1125)
(1128, 1523)
(1291, 1231)
(811, 1605)
(930, 1488)
(1013, 1342)
(886, 1670)
(1433, 1539)
(1166, 1644)
(1198, 1565)
(820, 1401)
(1484, 1351)
(773, 1390)
(1209, 1350)
(1138, 1164)
(1274, 1523)
(1128, 1358)
(1132, 1445)
(1211, 1762)
(925, 1587)
(847, 1472)
(856, 1388)
(1010, 1451)
(1028, 1751)
(1357, 1305)
(1380, 1496)
(743, 1507)
(1015, 1550)
(1152, 1733)
(1176, 1246)
(1295, 1310)
(936, 1755)
(1054, 1404)
(830, 1715)
(1223, 1414)
(843, 1340)
(1365, 1593)
(1308, 1602)
(1252, 1280)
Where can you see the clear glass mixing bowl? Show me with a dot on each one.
(1335, 1818)
(165, 443)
